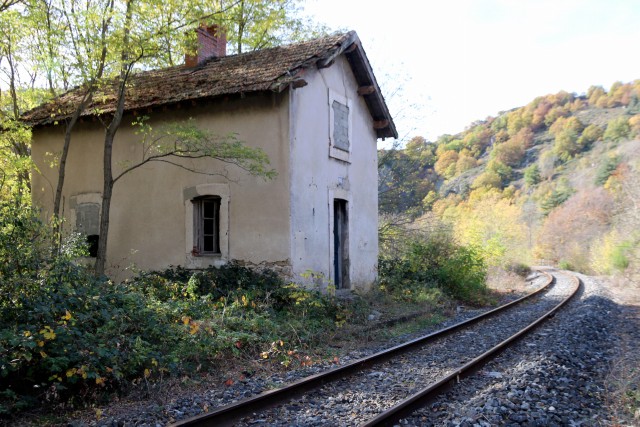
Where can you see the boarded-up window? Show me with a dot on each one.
(206, 212)
(340, 125)
(88, 223)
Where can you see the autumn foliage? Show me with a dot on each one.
(544, 180)
(570, 230)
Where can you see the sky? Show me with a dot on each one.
(445, 64)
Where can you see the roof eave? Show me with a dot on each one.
(363, 73)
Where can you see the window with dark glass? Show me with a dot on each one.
(207, 225)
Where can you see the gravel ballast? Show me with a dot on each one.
(556, 377)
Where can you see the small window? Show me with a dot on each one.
(88, 223)
(206, 212)
(340, 132)
(340, 125)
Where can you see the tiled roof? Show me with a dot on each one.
(267, 69)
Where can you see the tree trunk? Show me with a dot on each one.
(65, 149)
(107, 191)
(107, 187)
(108, 182)
(63, 165)
(86, 100)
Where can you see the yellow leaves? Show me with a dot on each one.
(48, 333)
(147, 373)
(26, 334)
(99, 381)
(98, 414)
(81, 371)
(194, 327)
(275, 350)
(154, 362)
(43, 355)
(40, 343)
(491, 223)
(67, 315)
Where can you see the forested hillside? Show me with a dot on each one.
(555, 181)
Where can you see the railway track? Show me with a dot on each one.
(384, 387)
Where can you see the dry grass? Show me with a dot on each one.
(626, 290)
(505, 285)
(623, 381)
(600, 116)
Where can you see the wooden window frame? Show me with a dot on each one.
(200, 233)
(335, 151)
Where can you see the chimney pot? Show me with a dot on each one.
(212, 43)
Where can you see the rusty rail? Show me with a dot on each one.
(228, 414)
(421, 398)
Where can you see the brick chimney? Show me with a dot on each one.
(212, 43)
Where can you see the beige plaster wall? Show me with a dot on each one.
(150, 207)
(329, 173)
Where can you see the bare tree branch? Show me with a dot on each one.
(6, 4)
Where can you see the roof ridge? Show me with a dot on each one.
(269, 69)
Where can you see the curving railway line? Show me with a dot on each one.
(382, 388)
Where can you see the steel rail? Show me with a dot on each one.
(228, 414)
(421, 398)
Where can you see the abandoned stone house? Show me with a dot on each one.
(313, 107)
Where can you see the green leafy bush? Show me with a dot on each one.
(532, 175)
(590, 134)
(619, 257)
(617, 129)
(606, 168)
(422, 266)
(64, 334)
(67, 336)
(560, 194)
(563, 264)
(463, 275)
(519, 268)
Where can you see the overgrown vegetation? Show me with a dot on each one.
(555, 180)
(66, 336)
(425, 265)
